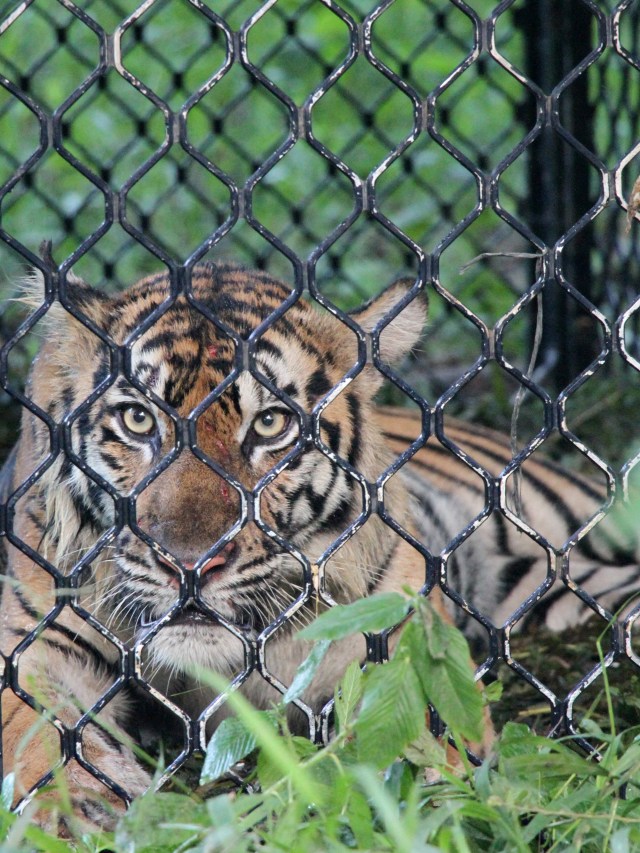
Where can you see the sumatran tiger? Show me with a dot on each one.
(175, 490)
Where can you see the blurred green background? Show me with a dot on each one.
(477, 112)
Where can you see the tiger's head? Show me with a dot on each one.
(200, 462)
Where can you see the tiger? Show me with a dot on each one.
(198, 471)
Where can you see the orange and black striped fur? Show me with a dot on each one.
(131, 526)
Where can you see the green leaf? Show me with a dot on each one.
(398, 780)
(388, 811)
(44, 841)
(306, 671)
(550, 765)
(160, 823)
(392, 713)
(426, 751)
(518, 739)
(367, 614)
(447, 679)
(619, 841)
(492, 692)
(348, 694)
(304, 748)
(230, 743)
(578, 801)
(8, 787)
(434, 633)
(269, 741)
(360, 819)
(269, 771)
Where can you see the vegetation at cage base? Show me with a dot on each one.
(384, 782)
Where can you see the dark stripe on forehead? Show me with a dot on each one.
(293, 333)
(270, 376)
(291, 389)
(354, 412)
(169, 338)
(317, 385)
(221, 365)
(177, 388)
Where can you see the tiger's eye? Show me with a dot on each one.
(138, 420)
(270, 423)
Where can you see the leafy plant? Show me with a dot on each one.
(384, 782)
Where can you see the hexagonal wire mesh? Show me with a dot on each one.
(480, 150)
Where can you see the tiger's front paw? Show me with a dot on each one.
(77, 802)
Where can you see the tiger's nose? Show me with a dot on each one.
(217, 561)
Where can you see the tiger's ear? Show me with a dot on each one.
(399, 336)
(71, 339)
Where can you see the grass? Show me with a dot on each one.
(531, 794)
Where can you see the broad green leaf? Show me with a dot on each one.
(303, 747)
(447, 680)
(269, 771)
(436, 818)
(367, 614)
(329, 775)
(257, 809)
(230, 743)
(392, 712)
(426, 751)
(306, 671)
(434, 633)
(518, 739)
(270, 743)
(348, 694)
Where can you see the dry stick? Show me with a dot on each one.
(634, 204)
(522, 390)
(484, 255)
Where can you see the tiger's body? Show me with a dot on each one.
(132, 527)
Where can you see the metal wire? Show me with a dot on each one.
(541, 102)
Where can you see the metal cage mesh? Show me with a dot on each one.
(485, 151)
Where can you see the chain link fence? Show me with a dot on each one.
(485, 150)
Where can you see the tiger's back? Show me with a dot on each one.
(528, 547)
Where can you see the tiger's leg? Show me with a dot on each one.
(34, 747)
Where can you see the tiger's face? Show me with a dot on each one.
(205, 460)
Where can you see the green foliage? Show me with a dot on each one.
(368, 614)
(368, 789)
(231, 742)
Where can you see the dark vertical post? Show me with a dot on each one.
(558, 35)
